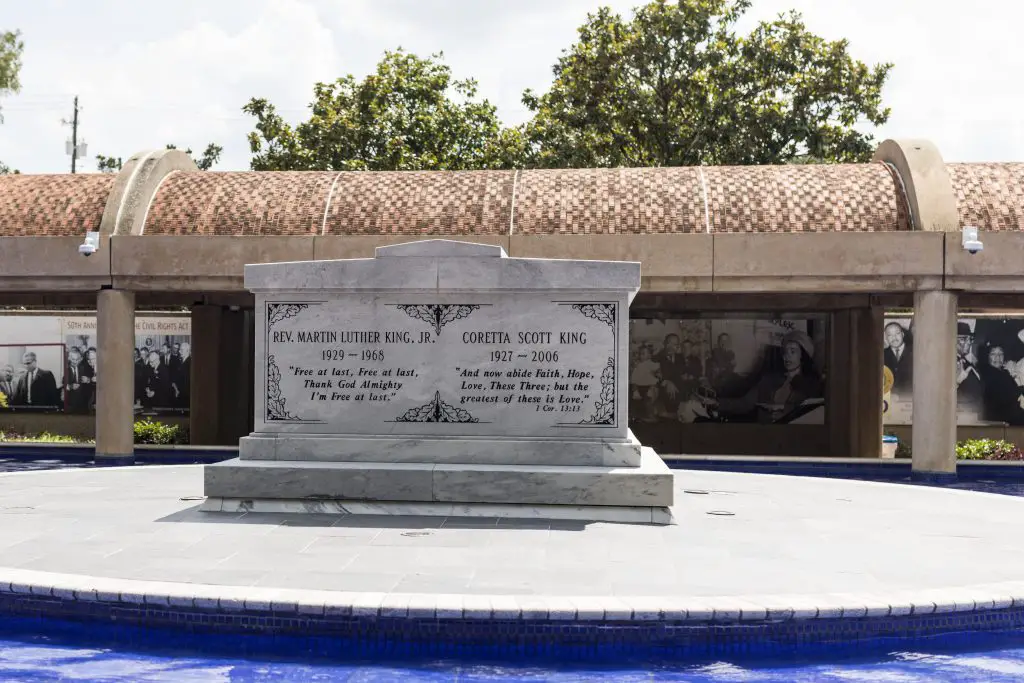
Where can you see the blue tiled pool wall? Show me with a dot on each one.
(894, 470)
(897, 471)
(333, 636)
(85, 454)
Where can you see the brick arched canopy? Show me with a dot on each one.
(768, 199)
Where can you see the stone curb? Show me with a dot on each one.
(331, 604)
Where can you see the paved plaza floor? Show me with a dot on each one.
(756, 538)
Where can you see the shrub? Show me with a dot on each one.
(149, 432)
(3, 400)
(42, 437)
(988, 449)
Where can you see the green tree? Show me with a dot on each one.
(408, 115)
(209, 157)
(11, 47)
(108, 164)
(677, 86)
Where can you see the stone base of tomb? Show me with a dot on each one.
(440, 450)
(641, 493)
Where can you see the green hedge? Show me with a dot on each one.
(146, 431)
(974, 449)
(157, 433)
(988, 449)
(42, 437)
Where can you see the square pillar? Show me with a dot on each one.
(867, 399)
(235, 383)
(250, 369)
(934, 431)
(115, 376)
(220, 410)
(840, 412)
(204, 401)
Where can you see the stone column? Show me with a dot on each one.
(868, 347)
(115, 373)
(204, 401)
(235, 379)
(250, 369)
(839, 409)
(934, 428)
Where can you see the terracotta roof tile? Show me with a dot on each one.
(827, 198)
(989, 196)
(609, 201)
(52, 205)
(421, 203)
(243, 203)
(806, 198)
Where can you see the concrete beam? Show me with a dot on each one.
(51, 264)
(998, 268)
(828, 262)
(670, 263)
(331, 247)
(707, 304)
(197, 262)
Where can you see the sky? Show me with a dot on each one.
(149, 73)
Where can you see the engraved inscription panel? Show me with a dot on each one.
(529, 365)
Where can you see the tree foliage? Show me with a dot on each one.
(11, 47)
(108, 164)
(209, 157)
(677, 85)
(408, 115)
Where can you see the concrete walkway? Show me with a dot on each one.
(746, 547)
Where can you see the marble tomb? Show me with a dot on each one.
(444, 378)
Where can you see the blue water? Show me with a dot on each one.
(44, 659)
(81, 653)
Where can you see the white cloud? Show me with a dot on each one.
(185, 88)
(149, 74)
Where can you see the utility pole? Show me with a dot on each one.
(74, 136)
(73, 148)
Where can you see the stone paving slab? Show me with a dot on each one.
(747, 547)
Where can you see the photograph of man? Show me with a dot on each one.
(722, 361)
(37, 387)
(780, 394)
(968, 378)
(1002, 396)
(89, 368)
(672, 366)
(7, 382)
(181, 374)
(156, 392)
(898, 357)
(693, 370)
(169, 359)
(140, 375)
(77, 383)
